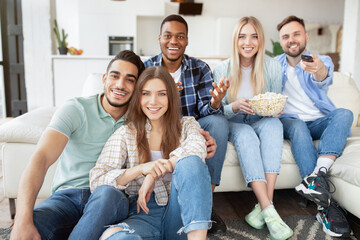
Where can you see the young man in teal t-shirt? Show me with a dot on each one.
(76, 136)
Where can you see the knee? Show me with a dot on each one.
(344, 114)
(190, 165)
(217, 125)
(109, 195)
(242, 134)
(274, 124)
(110, 232)
(297, 128)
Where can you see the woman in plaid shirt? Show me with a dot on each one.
(158, 160)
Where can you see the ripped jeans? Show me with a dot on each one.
(188, 208)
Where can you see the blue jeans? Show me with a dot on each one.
(258, 142)
(80, 214)
(218, 127)
(332, 131)
(188, 208)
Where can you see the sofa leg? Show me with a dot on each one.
(12, 207)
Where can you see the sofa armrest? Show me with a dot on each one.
(16, 157)
(28, 127)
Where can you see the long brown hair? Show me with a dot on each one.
(257, 72)
(171, 119)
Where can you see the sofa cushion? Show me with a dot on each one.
(93, 85)
(347, 166)
(345, 94)
(28, 127)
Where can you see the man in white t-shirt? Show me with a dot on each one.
(310, 115)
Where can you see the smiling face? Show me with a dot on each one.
(154, 99)
(173, 40)
(119, 83)
(293, 39)
(248, 43)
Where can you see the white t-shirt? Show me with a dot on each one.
(298, 101)
(245, 89)
(176, 75)
(155, 155)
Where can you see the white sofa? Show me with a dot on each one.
(22, 133)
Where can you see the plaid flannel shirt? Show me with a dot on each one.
(120, 153)
(196, 78)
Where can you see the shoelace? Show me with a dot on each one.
(324, 179)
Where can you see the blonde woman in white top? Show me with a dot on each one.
(257, 140)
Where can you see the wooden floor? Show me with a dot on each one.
(234, 205)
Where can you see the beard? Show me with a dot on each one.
(172, 59)
(118, 105)
(296, 54)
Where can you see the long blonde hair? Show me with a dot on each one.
(257, 72)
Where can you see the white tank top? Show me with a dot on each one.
(245, 89)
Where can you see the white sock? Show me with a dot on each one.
(322, 163)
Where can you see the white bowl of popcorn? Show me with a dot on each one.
(268, 104)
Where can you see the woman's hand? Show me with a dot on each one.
(156, 168)
(145, 192)
(242, 105)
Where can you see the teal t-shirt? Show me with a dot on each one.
(87, 126)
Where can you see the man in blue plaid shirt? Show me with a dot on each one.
(200, 96)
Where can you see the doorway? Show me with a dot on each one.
(12, 59)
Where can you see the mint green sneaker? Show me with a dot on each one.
(277, 227)
(255, 219)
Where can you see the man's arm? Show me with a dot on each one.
(210, 143)
(219, 92)
(49, 148)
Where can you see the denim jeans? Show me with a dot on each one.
(218, 127)
(188, 208)
(258, 142)
(80, 214)
(331, 131)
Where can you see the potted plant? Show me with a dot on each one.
(61, 39)
(277, 49)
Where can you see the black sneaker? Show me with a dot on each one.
(334, 221)
(315, 187)
(218, 225)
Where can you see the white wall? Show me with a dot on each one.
(148, 29)
(208, 33)
(67, 18)
(2, 90)
(91, 22)
(350, 48)
(37, 32)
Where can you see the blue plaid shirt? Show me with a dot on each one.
(196, 78)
